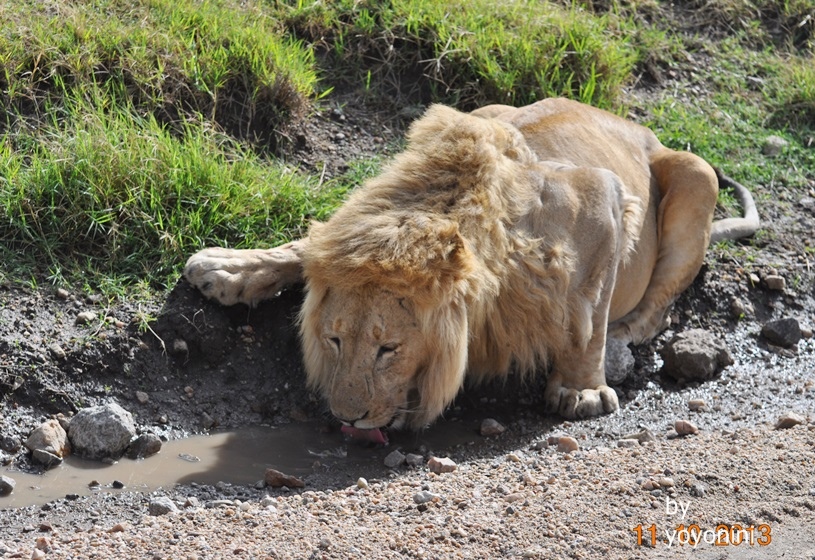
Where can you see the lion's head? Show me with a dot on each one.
(377, 345)
(391, 278)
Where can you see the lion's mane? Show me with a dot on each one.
(445, 225)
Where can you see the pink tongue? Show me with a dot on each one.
(374, 435)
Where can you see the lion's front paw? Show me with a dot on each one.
(232, 276)
(573, 403)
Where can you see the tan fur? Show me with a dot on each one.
(502, 240)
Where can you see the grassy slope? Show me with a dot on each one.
(136, 132)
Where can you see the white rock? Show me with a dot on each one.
(567, 444)
(441, 465)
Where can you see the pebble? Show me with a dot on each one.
(7, 485)
(56, 351)
(789, 420)
(142, 397)
(491, 427)
(362, 483)
(414, 459)
(514, 497)
(643, 436)
(62, 293)
(394, 459)
(773, 145)
(161, 505)
(697, 405)
(685, 427)
(118, 528)
(782, 332)
(627, 442)
(180, 347)
(424, 497)
(567, 444)
(775, 283)
(85, 317)
(277, 479)
(441, 465)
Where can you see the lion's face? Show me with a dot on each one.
(364, 352)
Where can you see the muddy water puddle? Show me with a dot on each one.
(236, 457)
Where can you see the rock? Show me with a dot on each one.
(775, 283)
(7, 485)
(782, 332)
(491, 427)
(567, 444)
(773, 145)
(46, 458)
(789, 420)
(414, 459)
(144, 446)
(277, 479)
(101, 432)
(424, 496)
(619, 361)
(10, 444)
(441, 465)
(643, 436)
(627, 442)
(56, 351)
(180, 347)
(85, 317)
(697, 405)
(394, 459)
(685, 427)
(694, 355)
(740, 308)
(62, 293)
(48, 443)
(162, 505)
(142, 397)
(362, 483)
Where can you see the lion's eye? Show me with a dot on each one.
(386, 350)
(335, 342)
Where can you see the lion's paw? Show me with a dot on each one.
(232, 276)
(573, 403)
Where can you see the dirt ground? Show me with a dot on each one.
(204, 367)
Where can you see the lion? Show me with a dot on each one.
(502, 240)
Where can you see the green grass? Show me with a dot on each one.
(134, 133)
(107, 191)
(470, 52)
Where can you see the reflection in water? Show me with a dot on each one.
(236, 457)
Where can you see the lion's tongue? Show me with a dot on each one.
(374, 435)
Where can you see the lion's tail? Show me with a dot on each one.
(736, 228)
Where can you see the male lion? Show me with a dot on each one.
(507, 239)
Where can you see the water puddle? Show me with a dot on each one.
(236, 457)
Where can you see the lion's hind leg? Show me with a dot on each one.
(688, 190)
(249, 276)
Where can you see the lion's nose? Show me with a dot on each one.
(348, 416)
